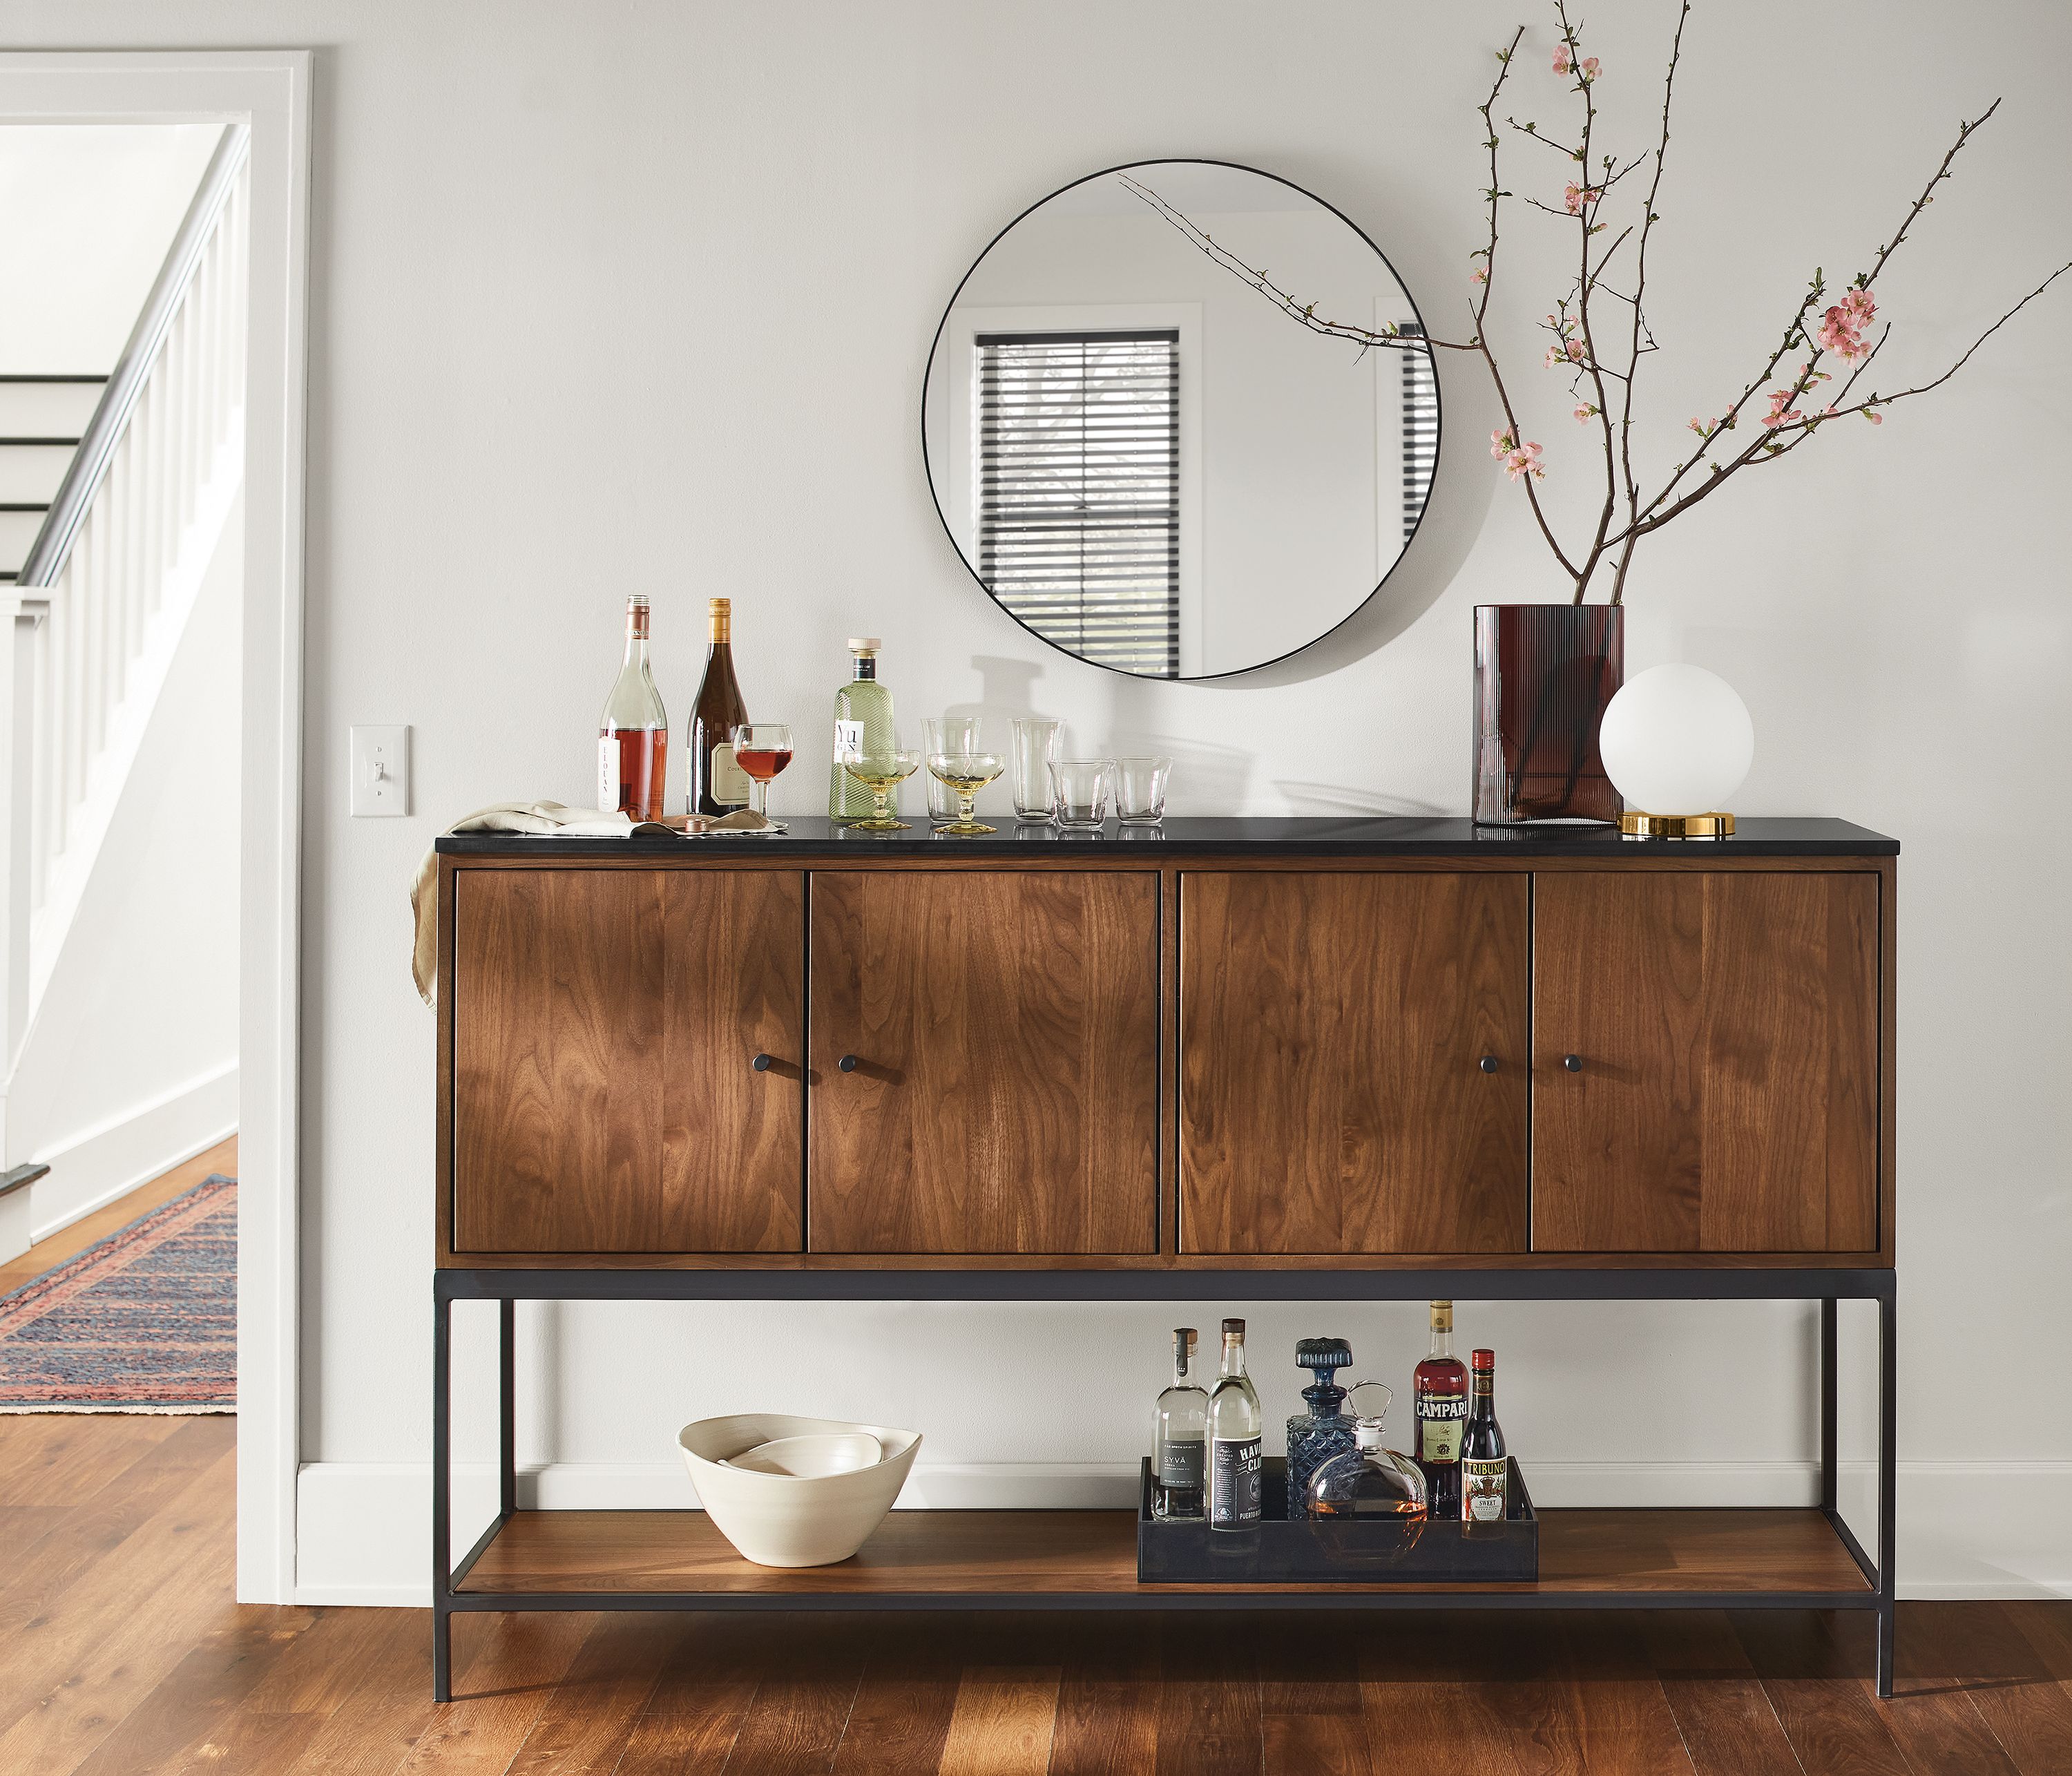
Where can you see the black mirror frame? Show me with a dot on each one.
(935, 346)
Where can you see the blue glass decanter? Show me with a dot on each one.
(1315, 1435)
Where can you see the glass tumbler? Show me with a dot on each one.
(1079, 792)
(1139, 790)
(1036, 743)
(940, 735)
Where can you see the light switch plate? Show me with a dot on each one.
(381, 771)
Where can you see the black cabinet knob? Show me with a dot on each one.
(1487, 1064)
(761, 1063)
(847, 1063)
(1573, 1063)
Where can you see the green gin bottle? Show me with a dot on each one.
(863, 723)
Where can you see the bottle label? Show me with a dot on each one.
(608, 772)
(1234, 1481)
(729, 782)
(1439, 1422)
(1180, 1464)
(849, 740)
(1484, 1486)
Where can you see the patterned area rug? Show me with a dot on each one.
(144, 1320)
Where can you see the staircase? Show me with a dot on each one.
(114, 492)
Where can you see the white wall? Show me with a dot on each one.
(640, 299)
(131, 1063)
(90, 210)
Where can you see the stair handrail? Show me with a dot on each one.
(48, 554)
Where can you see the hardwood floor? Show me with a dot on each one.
(121, 1652)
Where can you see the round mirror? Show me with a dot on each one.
(1177, 420)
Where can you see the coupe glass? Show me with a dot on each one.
(944, 735)
(966, 774)
(881, 773)
(1079, 791)
(762, 749)
(1036, 744)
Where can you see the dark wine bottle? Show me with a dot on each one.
(1485, 1462)
(718, 785)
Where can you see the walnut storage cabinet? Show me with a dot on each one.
(1244, 1060)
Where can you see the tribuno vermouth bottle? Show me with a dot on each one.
(1235, 1426)
(1485, 1462)
(1179, 1437)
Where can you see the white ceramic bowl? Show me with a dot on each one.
(786, 1520)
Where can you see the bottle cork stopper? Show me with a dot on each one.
(864, 644)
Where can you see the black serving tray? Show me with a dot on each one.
(1344, 1550)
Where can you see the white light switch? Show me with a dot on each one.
(381, 771)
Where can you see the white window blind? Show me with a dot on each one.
(1421, 429)
(1079, 510)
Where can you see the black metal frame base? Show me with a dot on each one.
(506, 1287)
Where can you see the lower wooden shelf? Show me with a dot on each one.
(1591, 1556)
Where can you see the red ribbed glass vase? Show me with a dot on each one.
(1544, 673)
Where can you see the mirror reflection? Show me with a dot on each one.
(1151, 462)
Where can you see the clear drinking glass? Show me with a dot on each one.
(881, 773)
(946, 733)
(966, 774)
(1079, 791)
(762, 749)
(1036, 744)
(1139, 790)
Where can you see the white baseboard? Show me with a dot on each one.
(363, 1527)
(94, 1167)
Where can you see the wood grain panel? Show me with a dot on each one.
(1006, 1025)
(604, 1023)
(951, 1552)
(1331, 1031)
(1727, 1025)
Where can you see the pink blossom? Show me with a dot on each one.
(1576, 196)
(1590, 68)
(1565, 351)
(1562, 63)
(1501, 445)
(1584, 415)
(1777, 415)
(1517, 459)
(1842, 327)
(1874, 416)
(1479, 275)
(1704, 428)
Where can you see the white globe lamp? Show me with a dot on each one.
(1676, 742)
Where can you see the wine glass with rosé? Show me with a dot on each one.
(762, 749)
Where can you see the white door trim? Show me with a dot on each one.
(268, 89)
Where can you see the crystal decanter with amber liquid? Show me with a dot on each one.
(1369, 1480)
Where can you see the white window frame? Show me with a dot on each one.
(962, 329)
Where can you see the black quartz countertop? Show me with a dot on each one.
(813, 835)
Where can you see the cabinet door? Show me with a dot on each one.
(1333, 1027)
(1004, 1026)
(605, 1026)
(1725, 1027)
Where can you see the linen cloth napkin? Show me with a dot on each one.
(545, 819)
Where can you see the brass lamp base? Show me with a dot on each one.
(1636, 825)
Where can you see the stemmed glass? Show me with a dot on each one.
(881, 773)
(967, 773)
(762, 749)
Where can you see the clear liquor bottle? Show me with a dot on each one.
(633, 732)
(1484, 1461)
(1323, 1431)
(863, 724)
(1371, 1479)
(1236, 1425)
(1180, 1436)
(1441, 1382)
